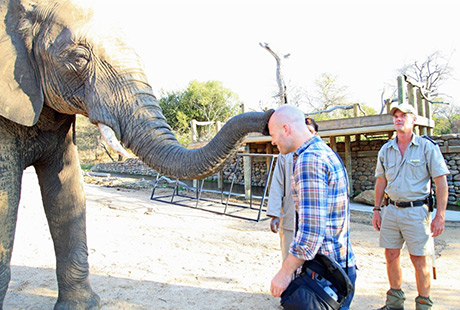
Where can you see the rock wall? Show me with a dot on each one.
(364, 157)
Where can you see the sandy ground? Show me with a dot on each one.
(147, 254)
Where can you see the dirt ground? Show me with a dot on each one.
(147, 254)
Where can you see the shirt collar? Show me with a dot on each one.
(413, 140)
(306, 144)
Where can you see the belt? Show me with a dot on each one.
(408, 204)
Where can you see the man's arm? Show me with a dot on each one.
(310, 177)
(284, 276)
(442, 193)
(380, 185)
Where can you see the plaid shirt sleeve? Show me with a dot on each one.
(311, 188)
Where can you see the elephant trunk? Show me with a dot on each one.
(149, 136)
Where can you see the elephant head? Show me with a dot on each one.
(54, 58)
(55, 65)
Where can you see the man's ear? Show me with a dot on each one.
(286, 129)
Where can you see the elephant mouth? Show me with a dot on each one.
(109, 136)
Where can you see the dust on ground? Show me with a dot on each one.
(146, 254)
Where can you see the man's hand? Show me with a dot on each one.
(437, 225)
(279, 283)
(442, 194)
(376, 220)
(275, 224)
(282, 279)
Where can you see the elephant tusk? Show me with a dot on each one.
(111, 139)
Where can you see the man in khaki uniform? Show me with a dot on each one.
(404, 167)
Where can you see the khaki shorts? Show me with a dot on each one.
(407, 225)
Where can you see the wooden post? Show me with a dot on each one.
(356, 109)
(411, 95)
(356, 114)
(412, 101)
(247, 173)
(401, 90)
(388, 105)
(220, 179)
(333, 143)
(268, 150)
(193, 130)
(219, 125)
(427, 105)
(421, 110)
(348, 162)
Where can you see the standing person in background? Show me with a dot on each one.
(280, 202)
(320, 190)
(404, 167)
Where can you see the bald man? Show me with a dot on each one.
(320, 190)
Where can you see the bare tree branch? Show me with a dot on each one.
(279, 75)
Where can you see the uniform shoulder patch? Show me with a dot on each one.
(429, 139)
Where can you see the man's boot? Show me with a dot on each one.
(423, 303)
(395, 300)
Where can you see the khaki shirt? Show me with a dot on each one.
(408, 177)
(280, 199)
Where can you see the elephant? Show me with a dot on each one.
(54, 66)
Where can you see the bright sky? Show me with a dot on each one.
(363, 43)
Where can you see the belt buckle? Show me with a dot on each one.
(403, 205)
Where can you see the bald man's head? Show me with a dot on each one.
(288, 129)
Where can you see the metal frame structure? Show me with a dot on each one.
(197, 197)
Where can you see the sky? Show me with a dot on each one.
(362, 43)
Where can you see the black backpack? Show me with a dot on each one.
(305, 293)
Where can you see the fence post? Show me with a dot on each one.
(219, 125)
(412, 101)
(348, 163)
(421, 110)
(355, 109)
(247, 173)
(401, 90)
(427, 105)
(388, 105)
(193, 130)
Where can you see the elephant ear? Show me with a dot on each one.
(21, 96)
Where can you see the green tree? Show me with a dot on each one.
(447, 119)
(210, 101)
(203, 101)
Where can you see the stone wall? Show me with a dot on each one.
(364, 156)
(130, 166)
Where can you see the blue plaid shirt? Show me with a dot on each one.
(320, 189)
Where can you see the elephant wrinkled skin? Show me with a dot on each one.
(53, 66)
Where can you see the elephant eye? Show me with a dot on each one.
(79, 58)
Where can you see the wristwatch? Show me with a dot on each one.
(377, 209)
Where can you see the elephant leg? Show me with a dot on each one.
(64, 201)
(10, 191)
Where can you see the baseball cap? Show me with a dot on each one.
(404, 107)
